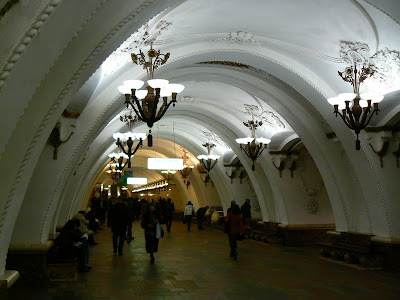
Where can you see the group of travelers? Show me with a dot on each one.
(78, 233)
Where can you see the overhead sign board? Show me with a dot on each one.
(165, 163)
(137, 180)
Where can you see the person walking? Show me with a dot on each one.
(150, 221)
(169, 213)
(200, 216)
(118, 220)
(188, 213)
(246, 213)
(235, 226)
(132, 214)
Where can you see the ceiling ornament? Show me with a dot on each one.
(143, 37)
(187, 99)
(241, 37)
(384, 63)
(129, 118)
(225, 63)
(212, 137)
(268, 118)
(356, 109)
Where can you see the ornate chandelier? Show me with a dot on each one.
(252, 146)
(113, 172)
(127, 139)
(186, 169)
(208, 161)
(147, 109)
(168, 174)
(356, 109)
(117, 160)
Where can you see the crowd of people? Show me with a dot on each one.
(78, 233)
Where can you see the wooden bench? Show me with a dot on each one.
(352, 254)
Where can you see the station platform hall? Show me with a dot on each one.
(276, 121)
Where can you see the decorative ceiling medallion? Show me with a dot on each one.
(187, 99)
(225, 63)
(143, 37)
(385, 63)
(129, 118)
(267, 117)
(213, 138)
(241, 37)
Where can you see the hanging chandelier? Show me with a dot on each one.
(117, 160)
(168, 174)
(252, 146)
(145, 103)
(208, 161)
(355, 109)
(186, 168)
(127, 139)
(113, 172)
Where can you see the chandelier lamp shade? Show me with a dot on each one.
(252, 146)
(127, 139)
(208, 161)
(146, 102)
(355, 109)
(186, 168)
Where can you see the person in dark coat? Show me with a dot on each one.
(118, 220)
(169, 213)
(149, 223)
(132, 214)
(71, 243)
(246, 212)
(200, 216)
(235, 226)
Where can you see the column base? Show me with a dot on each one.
(8, 279)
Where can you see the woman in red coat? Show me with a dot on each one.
(235, 226)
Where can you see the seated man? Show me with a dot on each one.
(72, 243)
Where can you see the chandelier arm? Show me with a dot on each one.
(139, 113)
(370, 117)
(163, 112)
(344, 120)
(350, 115)
(119, 144)
(215, 162)
(364, 117)
(260, 151)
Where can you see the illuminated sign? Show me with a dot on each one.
(165, 163)
(136, 180)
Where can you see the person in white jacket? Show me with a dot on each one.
(188, 213)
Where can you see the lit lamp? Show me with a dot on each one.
(186, 169)
(117, 160)
(168, 174)
(113, 173)
(145, 102)
(252, 146)
(356, 110)
(208, 161)
(127, 139)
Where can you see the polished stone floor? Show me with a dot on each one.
(196, 265)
